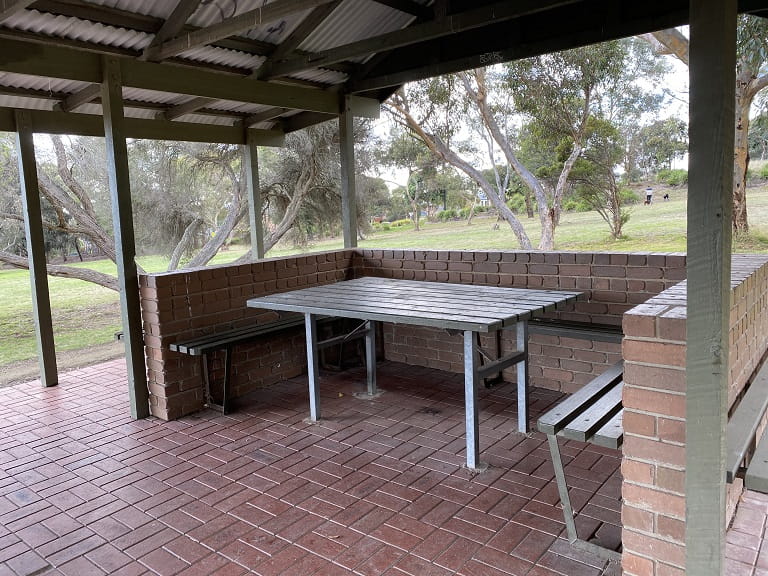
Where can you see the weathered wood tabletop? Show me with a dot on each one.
(437, 304)
(467, 308)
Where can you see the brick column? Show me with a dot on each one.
(653, 512)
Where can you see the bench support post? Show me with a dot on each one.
(562, 488)
(565, 500)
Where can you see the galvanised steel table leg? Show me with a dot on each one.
(370, 356)
(522, 377)
(313, 371)
(471, 361)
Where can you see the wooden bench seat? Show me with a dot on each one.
(581, 330)
(592, 414)
(743, 443)
(226, 340)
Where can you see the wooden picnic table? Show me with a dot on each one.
(465, 308)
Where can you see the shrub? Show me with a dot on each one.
(764, 171)
(676, 177)
(575, 203)
(517, 204)
(628, 196)
(445, 215)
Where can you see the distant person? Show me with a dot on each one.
(648, 196)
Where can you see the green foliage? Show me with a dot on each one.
(677, 177)
(517, 204)
(446, 215)
(628, 196)
(758, 137)
(763, 171)
(656, 145)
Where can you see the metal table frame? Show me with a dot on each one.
(475, 370)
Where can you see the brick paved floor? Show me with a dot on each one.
(376, 488)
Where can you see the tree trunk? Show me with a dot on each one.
(184, 244)
(552, 218)
(741, 152)
(528, 204)
(85, 274)
(479, 96)
(438, 147)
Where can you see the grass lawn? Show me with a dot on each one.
(85, 315)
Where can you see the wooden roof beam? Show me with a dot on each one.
(188, 107)
(10, 7)
(299, 34)
(58, 62)
(84, 96)
(453, 24)
(93, 125)
(409, 7)
(232, 26)
(265, 116)
(173, 25)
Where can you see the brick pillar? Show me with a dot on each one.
(653, 512)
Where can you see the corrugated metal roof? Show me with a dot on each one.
(350, 21)
(370, 19)
(76, 29)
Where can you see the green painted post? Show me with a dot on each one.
(712, 70)
(348, 193)
(254, 197)
(33, 227)
(125, 249)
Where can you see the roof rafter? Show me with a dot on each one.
(56, 62)
(235, 25)
(173, 25)
(188, 107)
(266, 115)
(409, 7)
(10, 7)
(300, 33)
(453, 24)
(73, 101)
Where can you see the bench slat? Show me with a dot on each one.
(612, 434)
(756, 477)
(558, 417)
(584, 426)
(581, 330)
(742, 425)
(204, 344)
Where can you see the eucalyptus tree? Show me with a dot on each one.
(563, 93)
(560, 93)
(404, 151)
(594, 175)
(751, 78)
(658, 144)
(433, 111)
(188, 199)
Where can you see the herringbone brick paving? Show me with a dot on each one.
(376, 487)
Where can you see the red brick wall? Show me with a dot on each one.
(612, 284)
(181, 305)
(653, 466)
(185, 304)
